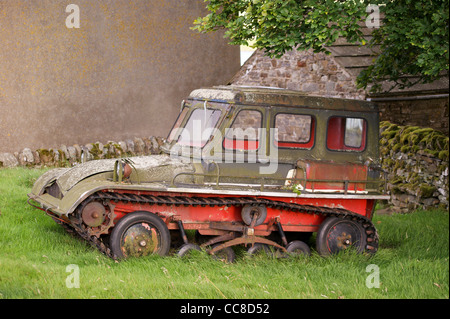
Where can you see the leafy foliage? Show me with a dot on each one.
(413, 36)
(278, 25)
(414, 44)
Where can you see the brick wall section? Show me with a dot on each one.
(312, 73)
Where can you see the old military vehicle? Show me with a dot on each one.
(258, 167)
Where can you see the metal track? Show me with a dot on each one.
(112, 197)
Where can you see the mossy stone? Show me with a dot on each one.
(426, 190)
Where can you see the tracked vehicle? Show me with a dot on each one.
(258, 167)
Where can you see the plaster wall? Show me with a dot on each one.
(122, 73)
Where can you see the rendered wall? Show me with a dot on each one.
(122, 74)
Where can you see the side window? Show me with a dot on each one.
(294, 130)
(244, 133)
(346, 134)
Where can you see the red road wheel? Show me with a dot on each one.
(339, 233)
(140, 234)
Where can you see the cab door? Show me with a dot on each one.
(246, 158)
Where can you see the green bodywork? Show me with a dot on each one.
(206, 167)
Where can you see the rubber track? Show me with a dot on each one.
(83, 231)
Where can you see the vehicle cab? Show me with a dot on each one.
(269, 138)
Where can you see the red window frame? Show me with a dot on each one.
(336, 134)
(245, 144)
(306, 145)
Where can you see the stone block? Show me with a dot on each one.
(63, 148)
(301, 64)
(72, 152)
(8, 160)
(123, 146)
(310, 87)
(139, 146)
(26, 157)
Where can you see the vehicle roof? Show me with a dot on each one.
(269, 96)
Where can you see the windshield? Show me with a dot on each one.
(177, 124)
(198, 128)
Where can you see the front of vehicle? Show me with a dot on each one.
(60, 190)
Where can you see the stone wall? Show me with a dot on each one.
(312, 73)
(416, 160)
(65, 156)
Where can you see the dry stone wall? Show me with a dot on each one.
(70, 155)
(416, 160)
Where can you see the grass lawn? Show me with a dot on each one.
(38, 258)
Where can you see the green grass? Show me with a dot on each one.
(413, 261)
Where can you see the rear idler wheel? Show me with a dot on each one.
(140, 234)
(186, 249)
(298, 247)
(339, 233)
